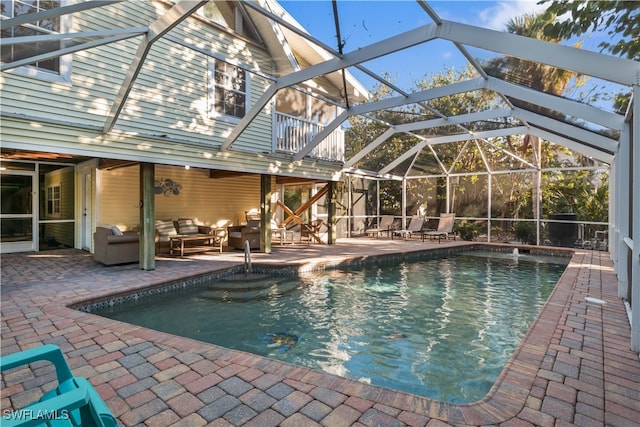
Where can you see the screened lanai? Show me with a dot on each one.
(435, 158)
(438, 159)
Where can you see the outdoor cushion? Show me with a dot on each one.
(165, 230)
(253, 225)
(187, 226)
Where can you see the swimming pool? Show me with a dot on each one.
(440, 328)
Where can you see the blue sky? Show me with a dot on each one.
(364, 22)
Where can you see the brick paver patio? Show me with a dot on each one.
(573, 367)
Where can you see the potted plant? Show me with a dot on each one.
(525, 232)
(467, 230)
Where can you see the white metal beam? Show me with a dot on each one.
(370, 147)
(452, 138)
(302, 33)
(566, 106)
(619, 217)
(52, 13)
(277, 30)
(605, 67)
(68, 50)
(7, 41)
(246, 120)
(460, 153)
(571, 144)
(173, 17)
(427, 124)
(416, 97)
(454, 120)
(589, 138)
(508, 153)
(634, 185)
(393, 44)
(375, 50)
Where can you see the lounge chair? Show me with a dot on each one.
(74, 402)
(414, 227)
(445, 228)
(385, 226)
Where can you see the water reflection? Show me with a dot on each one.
(438, 328)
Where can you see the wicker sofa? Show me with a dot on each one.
(164, 230)
(111, 246)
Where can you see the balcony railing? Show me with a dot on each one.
(292, 134)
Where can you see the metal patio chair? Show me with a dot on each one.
(74, 402)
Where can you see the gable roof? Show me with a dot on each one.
(292, 48)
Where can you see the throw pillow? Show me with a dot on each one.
(165, 229)
(116, 231)
(187, 226)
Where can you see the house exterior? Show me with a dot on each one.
(121, 90)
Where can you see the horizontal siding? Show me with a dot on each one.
(206, 200)
(169, 94)
(42, 137)
(65, 178)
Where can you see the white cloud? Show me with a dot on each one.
(497, 16)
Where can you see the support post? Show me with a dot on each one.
(404, 203)
(489, 195)
(350, 207)
(377, 202)
(331, 213)
(633, 214)
(147, 251)
(538, 205)
(265, 214)
(621, 219)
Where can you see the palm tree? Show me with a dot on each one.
(534, 75)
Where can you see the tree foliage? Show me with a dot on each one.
(618, 18)
(513, 194)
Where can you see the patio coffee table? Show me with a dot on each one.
(177, 243)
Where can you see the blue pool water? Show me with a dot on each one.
(439, 328)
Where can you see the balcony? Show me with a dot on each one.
(292, 134)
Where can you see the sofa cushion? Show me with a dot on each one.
(124, 238)
(253, 225)
(165, 230)
(187, 226)
(116, 231)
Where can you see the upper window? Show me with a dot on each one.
(52, 25)
(227, 89)
(53, 201)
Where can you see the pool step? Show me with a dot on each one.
(250, 287)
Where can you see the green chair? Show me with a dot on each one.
(73, 403)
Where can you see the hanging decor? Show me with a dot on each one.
(167, 187)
